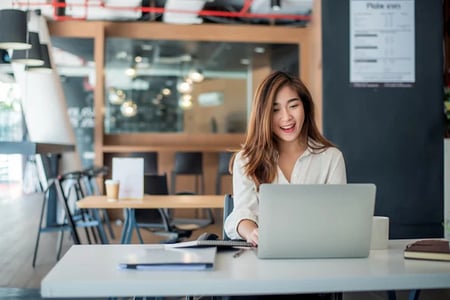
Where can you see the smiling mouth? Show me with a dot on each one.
(288, 128)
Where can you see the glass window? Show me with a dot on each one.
(167, 86)
(74, 60)
(183, 86)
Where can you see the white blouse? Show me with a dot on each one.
(327, 167)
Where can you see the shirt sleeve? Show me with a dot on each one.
(337, 172)
(245, 199)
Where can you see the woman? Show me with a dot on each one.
(283, 145)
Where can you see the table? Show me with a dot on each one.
(150, 202)
(91, 271)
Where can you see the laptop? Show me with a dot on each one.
(315, 221)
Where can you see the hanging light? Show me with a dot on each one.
(275, 4)
(32, 56)
(184, 87)
(185, 101)
(128, 109)
(131, 72)
(37, 23)
(166, 91)
(116, 96)
(196, 76)
(46, 67)
(13, 33)
(4, 57)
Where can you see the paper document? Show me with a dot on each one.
(130, 173)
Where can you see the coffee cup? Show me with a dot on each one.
(112, 189)
(380, 233)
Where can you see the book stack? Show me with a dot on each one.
(428, 249)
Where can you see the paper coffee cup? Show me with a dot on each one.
(380, 233)
(112, 189)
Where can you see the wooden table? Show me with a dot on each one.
(149, 202)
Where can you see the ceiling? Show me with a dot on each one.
(216, 59)
(289, 12)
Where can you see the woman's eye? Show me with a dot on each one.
(275, 109)
(293, 106)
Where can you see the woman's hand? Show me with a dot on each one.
(249, 231)
(253, 237)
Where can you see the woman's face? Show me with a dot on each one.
(288, 115)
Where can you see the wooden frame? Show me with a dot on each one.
(307, 38)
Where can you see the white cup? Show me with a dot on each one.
(380, 233)
(112, 189)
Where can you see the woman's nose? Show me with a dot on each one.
(285, 114)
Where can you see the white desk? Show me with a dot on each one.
(91, 271)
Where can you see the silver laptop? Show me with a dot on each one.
(315, 221)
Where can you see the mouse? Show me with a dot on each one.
(208, 236)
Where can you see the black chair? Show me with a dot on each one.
(150, 159)
(157, 220)
(190, 164)
(228, 206)
(223, 169)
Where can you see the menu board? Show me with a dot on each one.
(382, 44)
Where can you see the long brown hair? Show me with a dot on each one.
(260, 147)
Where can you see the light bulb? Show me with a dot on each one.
(128, 109)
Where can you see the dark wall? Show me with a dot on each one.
(392, 137)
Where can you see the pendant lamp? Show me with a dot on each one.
(32, 56)
(13, 33)
(4, 57)
(46, 67)
(275, 4)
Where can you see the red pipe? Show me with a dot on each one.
(217, 13)
(246, 7)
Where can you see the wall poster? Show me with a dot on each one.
(382, 43)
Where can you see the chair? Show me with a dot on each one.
(150, 159)
(157, 220)
(223, 169)
(49, 227)
(227, 209)
(91, 188)
(69, 187)
(190, 164)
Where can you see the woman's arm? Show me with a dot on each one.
(245, 201)
(249, 231)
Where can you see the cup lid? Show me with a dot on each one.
(112, 181)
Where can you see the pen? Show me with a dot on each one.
(239, 253)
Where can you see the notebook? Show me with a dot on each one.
(315, 221)
(220, 244)
(161, 257)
